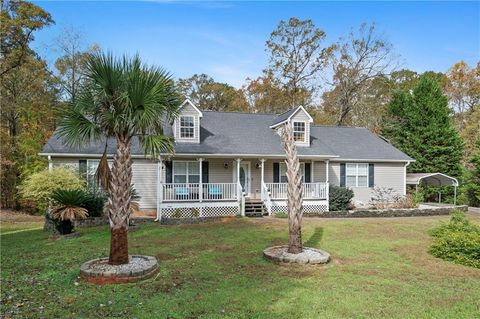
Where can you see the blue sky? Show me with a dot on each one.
(227, 39)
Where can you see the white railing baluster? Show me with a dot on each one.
(179, 192)
(310, 190)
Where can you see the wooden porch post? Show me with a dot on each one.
(50, 163)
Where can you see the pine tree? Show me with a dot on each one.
(419, 124)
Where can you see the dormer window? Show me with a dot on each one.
(299, 131)
(187, 127)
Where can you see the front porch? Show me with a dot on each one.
(215, 187)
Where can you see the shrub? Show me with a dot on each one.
(95, 200)
(67, 206)
(281, 215)
(457, 241)
(383, 197)
(339, 198)
(39, 186)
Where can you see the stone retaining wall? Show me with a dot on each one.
(100, 221)
(391, 212)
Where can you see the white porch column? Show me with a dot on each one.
(239, 190)
(200, 184)
(326, 171)
(159, 187)
(312, 172)
(262, 161)
(50, 163)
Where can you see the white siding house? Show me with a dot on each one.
(226, 163)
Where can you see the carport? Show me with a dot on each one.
(433, 179)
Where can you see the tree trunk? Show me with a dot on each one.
(118, 246)
(294, 191)
(118, 206)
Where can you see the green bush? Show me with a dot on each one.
(339, 198)
(281, 215)
(457, 241)
(95, 201)
(38, 187)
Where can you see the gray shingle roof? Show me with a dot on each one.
(284, 116)
(228, 133)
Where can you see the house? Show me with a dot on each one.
(228, 163)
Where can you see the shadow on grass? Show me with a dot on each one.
(315, 239)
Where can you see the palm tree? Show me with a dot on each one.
(121, 99)
(294, 190)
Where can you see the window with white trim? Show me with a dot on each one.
(92, 165)
(356, 175)
(299, 131)
(187, 126)
(283, 172)
(186, 172)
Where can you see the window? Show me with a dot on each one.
(186, 172)
(92, 165)
(187, 125)
(299, 131)
(283, 172)
(356, 175)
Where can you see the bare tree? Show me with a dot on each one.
(359, 59)
(297, 56)
(72, 62)
(294, 190)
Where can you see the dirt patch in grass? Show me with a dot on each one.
(14, 216)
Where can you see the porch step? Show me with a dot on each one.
(254, 208)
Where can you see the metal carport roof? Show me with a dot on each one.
(433, 179)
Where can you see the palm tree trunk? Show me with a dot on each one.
(119, 201)
(294, 191)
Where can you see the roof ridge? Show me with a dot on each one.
(336, 126)
(237, 112)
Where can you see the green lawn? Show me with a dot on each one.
(380, 269)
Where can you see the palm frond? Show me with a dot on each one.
(103, 174)
(154, 145)
(68, 204)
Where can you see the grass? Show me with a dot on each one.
(380, 269)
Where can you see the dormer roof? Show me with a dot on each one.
(288, 115)
(188, 102)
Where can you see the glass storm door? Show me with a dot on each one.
(245, 177)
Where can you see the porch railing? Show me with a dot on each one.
(179, 192)
(310, 190)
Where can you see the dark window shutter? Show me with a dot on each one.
(168, 172)
(371, 175)
(204, 172)
(276, 172)
(342, 174)
(308, 173)
(82, 168)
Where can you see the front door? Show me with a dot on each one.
(245, 177)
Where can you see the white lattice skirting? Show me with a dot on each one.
(193, 211)
(308, 207)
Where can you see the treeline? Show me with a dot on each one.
(356, 81)
(32, 94)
